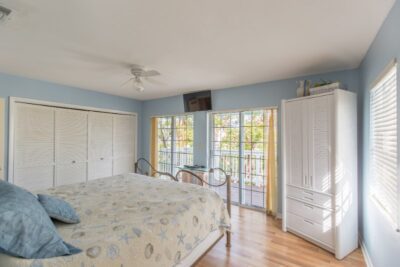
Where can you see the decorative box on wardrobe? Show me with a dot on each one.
(319, 150)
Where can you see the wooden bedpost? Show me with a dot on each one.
(228, 204)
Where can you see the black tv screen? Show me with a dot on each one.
(197, 101)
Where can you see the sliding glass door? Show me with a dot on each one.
(238, 144)
(175, 142)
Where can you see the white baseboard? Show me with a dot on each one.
(364, 250)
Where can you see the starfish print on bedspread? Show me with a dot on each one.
(181, 238)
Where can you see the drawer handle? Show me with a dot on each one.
(309, 206)
(307, 221)
(309, 198)
(309, 193)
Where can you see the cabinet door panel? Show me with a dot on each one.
(320, 118)
(294, 142)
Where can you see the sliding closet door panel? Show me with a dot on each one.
(100, 145)
(71, 146)
(71, 173)
(123, 165)
(34, 178)
(123, 144)
(320, 143)
(100, 169)
(294, 142)
(71, 136)
(34, 146)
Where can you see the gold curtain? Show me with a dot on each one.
(271, 171)
(154, 143)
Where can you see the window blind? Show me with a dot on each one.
(383, 145)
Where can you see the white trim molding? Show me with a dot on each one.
(365, 253)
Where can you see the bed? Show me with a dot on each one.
(136, 220)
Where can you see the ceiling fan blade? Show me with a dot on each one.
(154, 81)
(126, 82)
(150, 73)
(98, 59)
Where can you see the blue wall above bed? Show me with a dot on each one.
(28, 88)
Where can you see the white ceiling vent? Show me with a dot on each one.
(4, 13)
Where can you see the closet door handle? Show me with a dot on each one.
(311, 181)
(101, 158)
(73, 162)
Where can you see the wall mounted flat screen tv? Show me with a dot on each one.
(198, 101)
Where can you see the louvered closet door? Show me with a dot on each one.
(71, 146)
(123, 144)
(294, 144)
(320, 119)
(34, 146)
(100, 145)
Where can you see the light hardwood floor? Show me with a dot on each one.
(258, 241)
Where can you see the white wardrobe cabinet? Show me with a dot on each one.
(319, 151)
(52, 145)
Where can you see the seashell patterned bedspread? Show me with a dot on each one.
(134, 220)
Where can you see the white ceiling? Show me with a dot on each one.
(195, 44)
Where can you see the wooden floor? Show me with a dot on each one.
(258, 241)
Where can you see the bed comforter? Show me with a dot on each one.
(134, 220)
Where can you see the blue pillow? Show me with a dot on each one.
(58, 209)
(25, 228)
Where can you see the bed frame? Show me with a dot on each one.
(175, 178)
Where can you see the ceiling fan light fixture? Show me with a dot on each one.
(137, 83)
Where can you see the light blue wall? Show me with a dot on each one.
(28, 88)
(251, 96)
(382, 242)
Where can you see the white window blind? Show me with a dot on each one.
(383, 145)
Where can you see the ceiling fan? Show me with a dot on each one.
(140, 74)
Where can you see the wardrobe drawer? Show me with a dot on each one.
(319, 232)
(310, 197)
(308, 211)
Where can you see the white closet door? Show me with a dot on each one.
(71, 146)
(320, 119)
(123, 144)
(294, 142)
(33, 146)
(100, 145)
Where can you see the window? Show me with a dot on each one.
(238, 145)
(383, 145)
(175, 142)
